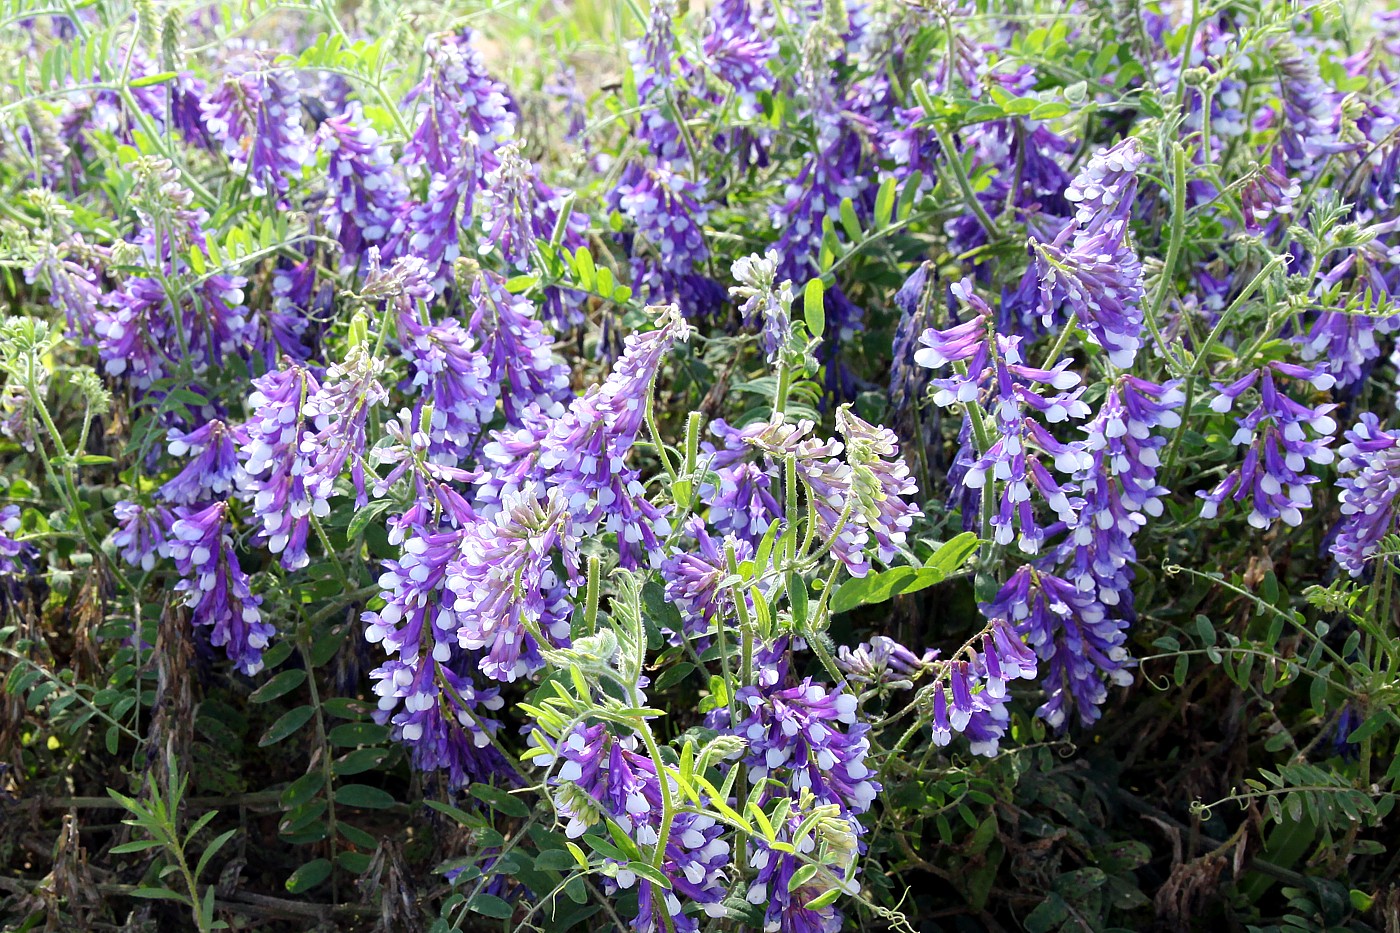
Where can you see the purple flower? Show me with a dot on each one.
(1098, 280)
(337, 412)
(517, 208)
(881, 660)
(767, 304)
(463, 107)
(505, 588)
(275, 467)
(452, 375)
(1079, 644)
(692, 580)
(664, 207)
(213, 471)
(1119, 486)
(519, 353)
(430, 231)
(1369, 483)
(1017, 443)
(366, 193)
(11, 551)
(808, 739)
(434, 707)
(1105, 188)
(255, 116)
(215, 586)
(1269, 196)
(584, 453)
(1271, 476)
(830, 841)
(880, 482)
(140, 534)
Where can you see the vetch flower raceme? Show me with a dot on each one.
(506, 592)
(275, 467)
(1283, 437)
(215, 586)
(1080, 646)
(1369, 483)
(214, 471)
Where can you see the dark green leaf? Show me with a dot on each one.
(290, 722)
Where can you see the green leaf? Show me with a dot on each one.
(309, 875)
(359, 761)
(500, 801)
(363, 517)
(358, 733)
(650, 873)
(554, 860)
(149, 80)
(489, 905)
(364, 796)
(290, 722)
(849, 221)
(1050, 110)
(824, 899)
(139, 845)
(277, 686)
(884, 203)
(952, 554)
(674, 675)
(878, 587)
(302, 789)
(160, 894)
(800, 877)
(814, 307)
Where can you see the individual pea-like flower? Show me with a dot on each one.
(11, 550)
(366, 192)
(213, 472)
(1272, 476)
(692, 577)
(337, 412)
(507, 593)
(140, 533)
(215, 586)
(767, 303)
(908, 381)
(1269, 196)
(1079, 644)
(255, 116)
(274, 466)
(1369, 483)
(808, 738)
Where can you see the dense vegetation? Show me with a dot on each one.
(795, 465)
